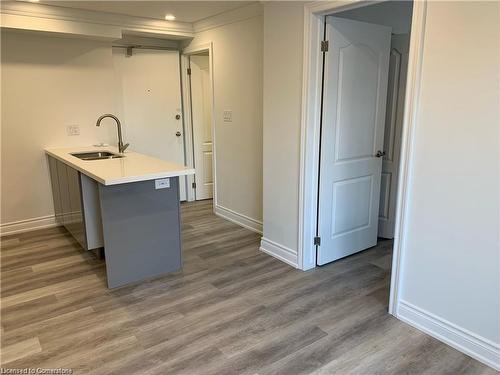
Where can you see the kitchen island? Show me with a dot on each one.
(126, 203)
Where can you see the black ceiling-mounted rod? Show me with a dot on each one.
(130, 48)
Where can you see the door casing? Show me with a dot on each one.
(186, 100)
(201, 117)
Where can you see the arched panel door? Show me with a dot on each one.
(355, 91)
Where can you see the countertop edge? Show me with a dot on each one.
(121, 180)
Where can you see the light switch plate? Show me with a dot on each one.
(228, 115)
(163, 183)
(73, 130)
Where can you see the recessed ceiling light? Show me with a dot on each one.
(170, 17)
(34, 1)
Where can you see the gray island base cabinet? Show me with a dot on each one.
(141, 227)
(138, 224)
(76, 204)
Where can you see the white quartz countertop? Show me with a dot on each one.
(132, 167)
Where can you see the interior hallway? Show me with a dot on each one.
(232, 310)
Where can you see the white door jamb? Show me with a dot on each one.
(188, 130)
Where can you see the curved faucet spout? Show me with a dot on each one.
(121, 146)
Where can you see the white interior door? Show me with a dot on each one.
(354, 99)
(149, 83)
(201, 102)
(392, 136)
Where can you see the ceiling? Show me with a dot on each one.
(184, 11)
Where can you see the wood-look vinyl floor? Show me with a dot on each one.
(232, 310)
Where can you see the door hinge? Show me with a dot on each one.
(317, 241)
(193, 185)
(189, 71)
(324, 45)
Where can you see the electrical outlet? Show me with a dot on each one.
(228, 115)
(163, 183)
(73, 130)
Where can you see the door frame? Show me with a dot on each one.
(314, 14)
(188, 120)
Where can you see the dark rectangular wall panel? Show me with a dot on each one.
(141, 227)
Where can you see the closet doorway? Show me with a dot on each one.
(199, 118)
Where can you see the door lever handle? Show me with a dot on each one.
(178, 134)
(379, 154)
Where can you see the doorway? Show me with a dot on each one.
(310, 132)
(199, 118)
(363, 76)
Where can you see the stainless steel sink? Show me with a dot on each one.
(94, 155)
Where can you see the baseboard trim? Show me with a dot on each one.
(459, 338)
(237, 218)
(280, 252)
(21, 226)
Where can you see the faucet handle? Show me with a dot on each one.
(124, 147)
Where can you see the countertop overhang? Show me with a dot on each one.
(133, 167)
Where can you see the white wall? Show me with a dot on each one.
(47, 84)
(283, 34)
(451, 260)
(237, 60)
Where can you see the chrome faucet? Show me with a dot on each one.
(121, 146)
